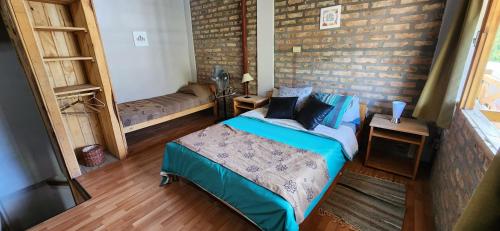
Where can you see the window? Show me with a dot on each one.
(481, 93)
(482, 87)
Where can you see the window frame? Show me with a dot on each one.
(484, 44)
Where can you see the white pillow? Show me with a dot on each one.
(302, 92)
(276, 92)
(352, 112)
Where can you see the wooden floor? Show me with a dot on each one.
(126, 196)
(140, 140)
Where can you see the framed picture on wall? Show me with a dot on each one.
(330, 17)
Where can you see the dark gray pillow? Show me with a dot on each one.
(281, 107)
(313, 112)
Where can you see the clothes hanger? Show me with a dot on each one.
(67, 106)
(95, 107)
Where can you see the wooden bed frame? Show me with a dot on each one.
(176, 115)
(310, 222)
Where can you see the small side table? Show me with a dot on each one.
(242, 104)
(409, 131)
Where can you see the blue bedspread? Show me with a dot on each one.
(265, 208)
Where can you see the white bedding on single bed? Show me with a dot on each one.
(351, 125)
(344, 134)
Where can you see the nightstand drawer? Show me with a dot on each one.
(245, 105)
(397, 136)
(242, 103)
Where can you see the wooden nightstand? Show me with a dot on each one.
(409, 131)
(242, 104)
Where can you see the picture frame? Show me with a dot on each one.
(330, 17)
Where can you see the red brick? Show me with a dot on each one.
(434, 6)
(404, 10)
(412, 18)
(355, 23)
(428, 25)
(357, 6)
(397, 27)
(385, 3)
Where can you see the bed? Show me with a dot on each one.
(143, 113)
(247, 193)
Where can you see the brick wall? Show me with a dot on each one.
(217, 38)
(458, 168)
(382, 51)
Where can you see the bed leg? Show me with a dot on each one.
(164, 180)
(167, 178)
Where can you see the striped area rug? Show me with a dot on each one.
(366, 203)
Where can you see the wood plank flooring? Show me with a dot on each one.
(159, 134)
(126, 196)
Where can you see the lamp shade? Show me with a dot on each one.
(246, 78)
(397, 110)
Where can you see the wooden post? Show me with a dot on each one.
(97, 73)
(244, 35)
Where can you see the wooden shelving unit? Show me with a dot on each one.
(44, 54)
(60, 28)
(74, 58)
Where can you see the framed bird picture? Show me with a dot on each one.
(330, 17)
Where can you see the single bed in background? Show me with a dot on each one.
(240, 161)
(189, 99)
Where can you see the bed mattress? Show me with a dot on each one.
(266, 209)
(140, 111)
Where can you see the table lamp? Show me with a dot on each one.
(397, 110)
(246, 78)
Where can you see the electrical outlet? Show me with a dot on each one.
(297, 49)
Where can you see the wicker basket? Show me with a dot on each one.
(92, 155)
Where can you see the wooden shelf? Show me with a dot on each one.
(60, 28)
(391, 163)
(407, 125)
(63, 2)
(397, 136)
(58, 91)
(253, 99)
(242, 104)
(245, 107)
(74, 58)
